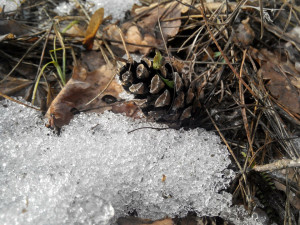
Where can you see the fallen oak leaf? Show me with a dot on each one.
(92, 28)
(79, 90)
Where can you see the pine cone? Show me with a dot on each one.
(170, 93)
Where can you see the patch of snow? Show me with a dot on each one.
(135, 57)
(65, 8)
(111, 7)
(97, 171)
(10, 5)
(295, 33)
(116, 8)
(126, 96)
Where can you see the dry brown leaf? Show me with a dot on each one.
(23, 87)
(163, 222)
(134, 36)
(92, 60)
(139, 10)
(25, 69)
(186, 7)
(13, 27)
(213, 6)
(296, 82)
(80, 89)
(139, 221)
(132, 221)
(209, 54)
(167, 15)
(243, 35)
(170, 22)
(280, 87)
(92, 29)
(281, 78)
(141, 33)
(13, 85)
(76, 30)
(129, 108)
(135, 40)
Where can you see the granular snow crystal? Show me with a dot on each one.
(96, 170)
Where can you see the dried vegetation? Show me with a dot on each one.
(231, 67)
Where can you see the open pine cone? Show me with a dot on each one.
(167, 92)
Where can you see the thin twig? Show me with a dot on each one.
(125, 47)
(19, 102)
(154, 128)
(278, 165)
(243, 110)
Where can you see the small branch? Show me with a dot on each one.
(278, 165)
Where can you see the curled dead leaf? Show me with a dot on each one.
(92, 28)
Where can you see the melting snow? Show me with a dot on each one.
(10, 5)
(111, 7)
(96, 171)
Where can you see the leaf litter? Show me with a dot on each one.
(239, 63)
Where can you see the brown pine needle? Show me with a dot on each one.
(19, 102)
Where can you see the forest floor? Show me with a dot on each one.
(229, 67)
